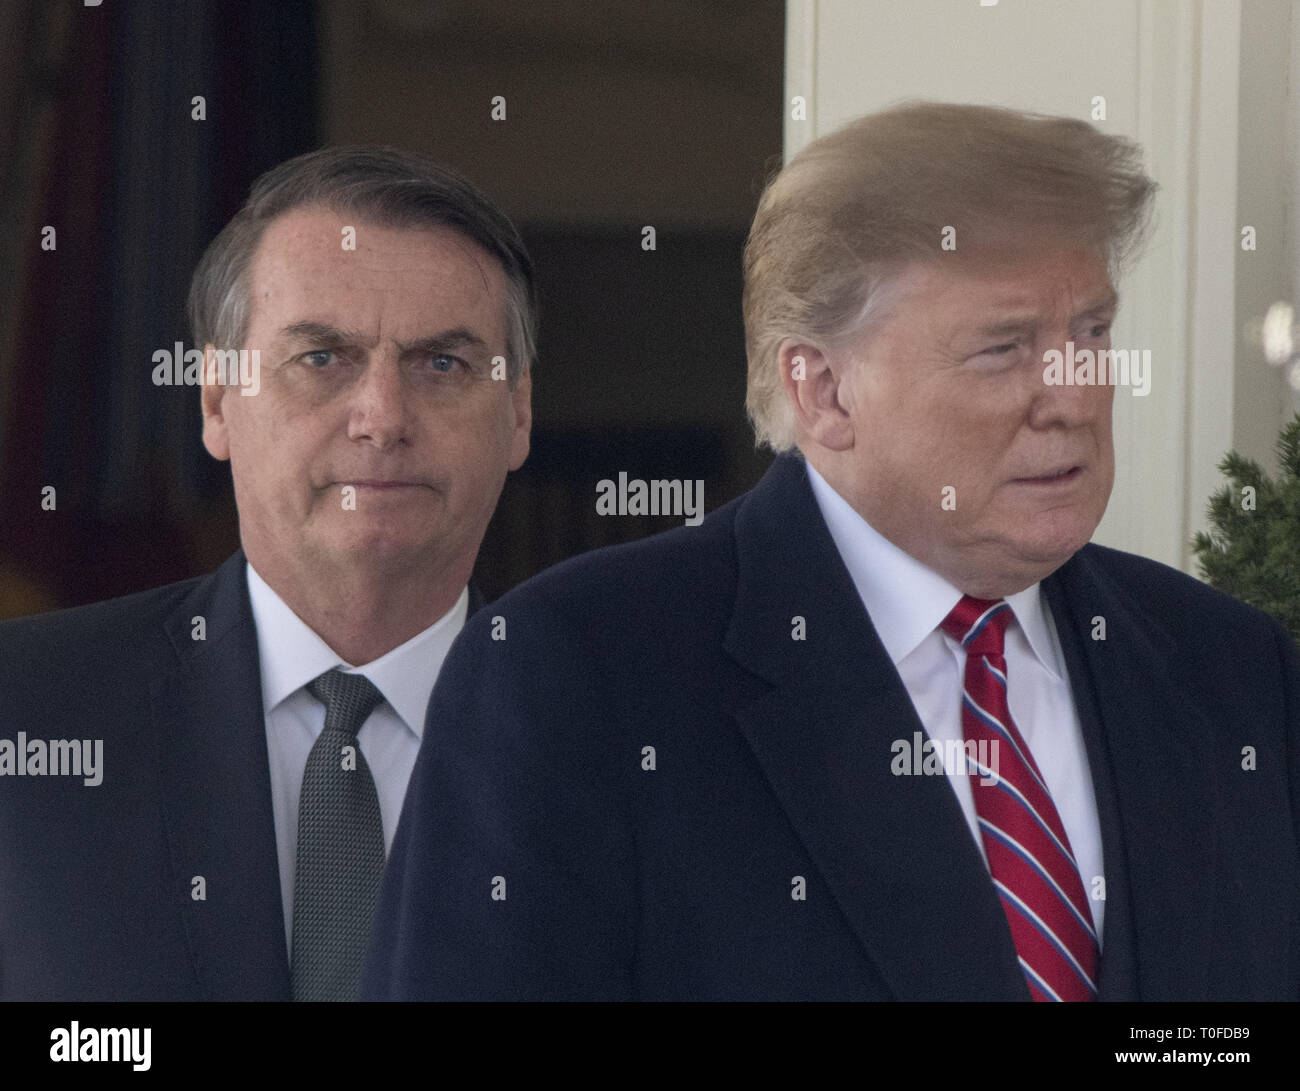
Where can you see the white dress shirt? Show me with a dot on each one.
(906, 602)
(291, 655)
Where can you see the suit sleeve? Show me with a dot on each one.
(512, 874)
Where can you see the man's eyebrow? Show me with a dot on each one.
(1027, 323)
(1016, 325)
(459, 337)
(1107, 302)
(322, 333)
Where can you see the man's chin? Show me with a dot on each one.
(369, 547)
(1051, 548)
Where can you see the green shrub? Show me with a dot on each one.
(1252, 550)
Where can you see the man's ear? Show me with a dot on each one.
(812, 382)
(212, 396)
(521, 400)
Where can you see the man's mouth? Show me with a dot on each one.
(1062, 476)
(379, 484)
(374, 484)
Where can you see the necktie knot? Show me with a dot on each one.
(348, 699)
(979, 625)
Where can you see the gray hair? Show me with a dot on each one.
(386, 186)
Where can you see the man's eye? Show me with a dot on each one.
(318, 358)
(1099, 330)
(1000, 350)
(442, 363)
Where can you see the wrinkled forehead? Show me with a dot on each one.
(1030, 288)
(332, 261)
(321, 233)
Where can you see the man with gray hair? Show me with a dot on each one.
(368, 324)
(886, 727)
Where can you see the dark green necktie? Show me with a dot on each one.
(340, 846)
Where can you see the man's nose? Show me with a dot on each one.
(380, 401)
(1059, 397)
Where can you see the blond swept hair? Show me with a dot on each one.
(837, 224)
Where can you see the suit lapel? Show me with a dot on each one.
(1117, 972)
(1148, 744)
(476, 600)
(216, 793)
(894, 851)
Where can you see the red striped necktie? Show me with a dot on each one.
(1029, 854)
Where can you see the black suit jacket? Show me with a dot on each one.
(98, 884)
(539, 855)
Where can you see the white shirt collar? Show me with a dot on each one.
(907, 601)
(291, 655)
